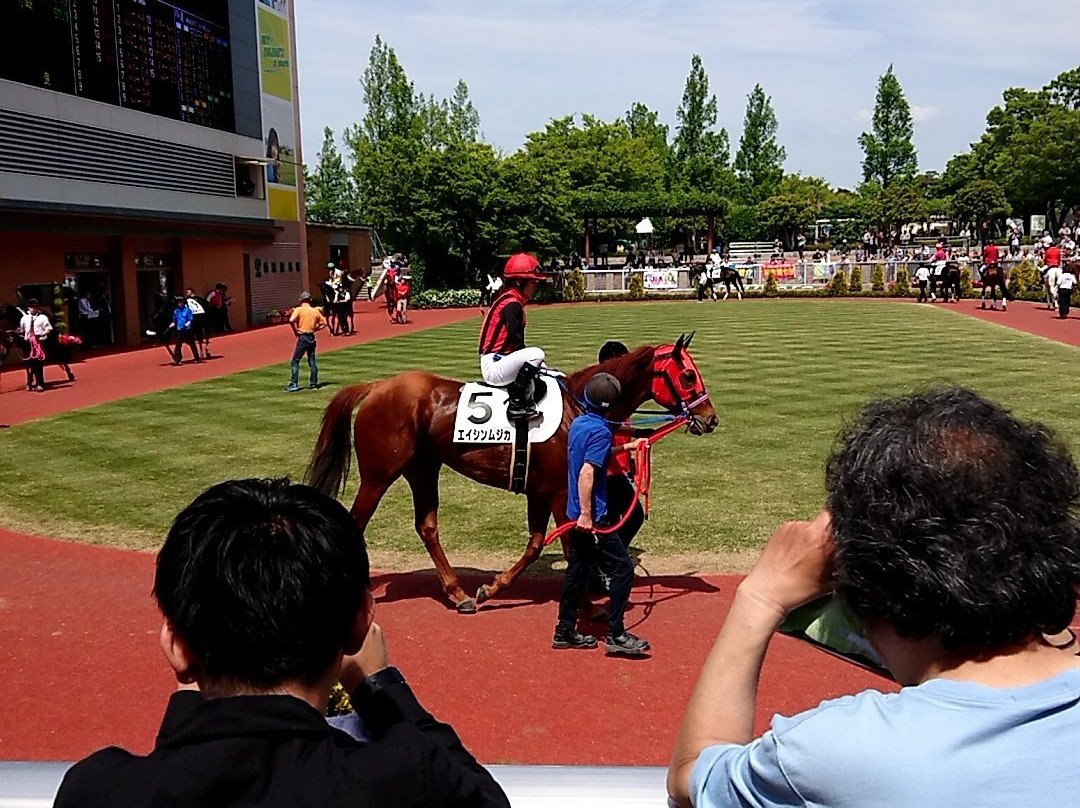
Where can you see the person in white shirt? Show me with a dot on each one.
(922, 275)
(1065, 286)
(35, 328)
(200, 325)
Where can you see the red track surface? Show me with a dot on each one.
(80, 665)
(143, 370)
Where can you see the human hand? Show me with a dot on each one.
(585, 522)
(373, 656)
(795, 566)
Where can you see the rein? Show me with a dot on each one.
(642, 481)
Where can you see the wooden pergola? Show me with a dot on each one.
(628, 205)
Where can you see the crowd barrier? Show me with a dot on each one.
(616, 279)
(33, 784)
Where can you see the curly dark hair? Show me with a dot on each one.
(955, 520)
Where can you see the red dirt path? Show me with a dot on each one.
(80, 665)
(118, 375)
(1023, 315)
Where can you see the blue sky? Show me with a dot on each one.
(528, 62)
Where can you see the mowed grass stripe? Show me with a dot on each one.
(784, 375)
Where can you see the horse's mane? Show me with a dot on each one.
(621, 367)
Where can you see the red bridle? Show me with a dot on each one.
(677, 384)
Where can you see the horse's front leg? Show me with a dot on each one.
(539, 510)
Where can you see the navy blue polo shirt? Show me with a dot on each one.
(589, 442)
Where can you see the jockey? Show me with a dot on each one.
(505, 361)
(990, 257)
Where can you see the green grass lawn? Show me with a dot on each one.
(783, 376)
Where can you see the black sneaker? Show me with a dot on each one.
(626, 644)
(572, 639)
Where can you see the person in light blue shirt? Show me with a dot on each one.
(950, 535)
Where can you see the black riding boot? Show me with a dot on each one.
(521, 403)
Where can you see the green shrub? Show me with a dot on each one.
(445, 298)
(855, 281)
(1024, 278)
(967, 283)
(902, 287)
(772, 288)
(575, 285)
(637, 286)
(59, 311)
(838, 286)
(877, 280)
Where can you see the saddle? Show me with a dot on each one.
(481, 418)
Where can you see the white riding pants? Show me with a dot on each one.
(501, 369)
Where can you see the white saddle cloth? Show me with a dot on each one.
(481, 414)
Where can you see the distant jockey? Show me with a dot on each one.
(505, 361)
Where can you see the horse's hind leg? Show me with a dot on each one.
(423, 478)
(539, 514)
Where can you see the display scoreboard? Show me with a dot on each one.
(169, 59)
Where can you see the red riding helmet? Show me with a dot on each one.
(525, 266)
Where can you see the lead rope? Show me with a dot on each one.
(641, 483)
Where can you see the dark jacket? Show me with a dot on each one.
(272, 751)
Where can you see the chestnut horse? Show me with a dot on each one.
(405, 429)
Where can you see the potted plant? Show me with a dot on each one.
(273, 316)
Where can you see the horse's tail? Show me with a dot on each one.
(328, 469)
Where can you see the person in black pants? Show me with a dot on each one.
(256, 647)
(1066, 284)
(184, 323)
(589, 452)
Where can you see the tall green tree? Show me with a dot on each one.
(387, 146)
(700, 157)
(980, 201)
(759, 162)
(644, 124)
(462, 117)
(889, 153)
(328, 189)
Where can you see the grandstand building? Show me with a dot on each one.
(150, 146)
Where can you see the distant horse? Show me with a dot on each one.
(731, 276)
(994, 277)
(405, 429)
(950, 282)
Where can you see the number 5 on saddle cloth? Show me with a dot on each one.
(481, 418)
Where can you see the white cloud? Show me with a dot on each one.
(531, 60)
(923, 113)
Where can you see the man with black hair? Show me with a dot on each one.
(589, 452)
(264, 587)
(950, 535)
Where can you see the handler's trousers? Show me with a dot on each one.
(608, 550)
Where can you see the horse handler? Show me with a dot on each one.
(589, 453)
(305, 321)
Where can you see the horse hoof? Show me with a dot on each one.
(482, 594)
(467, 606)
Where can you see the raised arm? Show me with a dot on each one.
(794, 567)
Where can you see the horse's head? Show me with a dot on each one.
(677, 385)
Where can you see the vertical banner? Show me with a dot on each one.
(278, 114)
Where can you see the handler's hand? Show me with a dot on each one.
(795, 566)
(585, 522)
(373, 656)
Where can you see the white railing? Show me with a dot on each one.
(33, 784)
